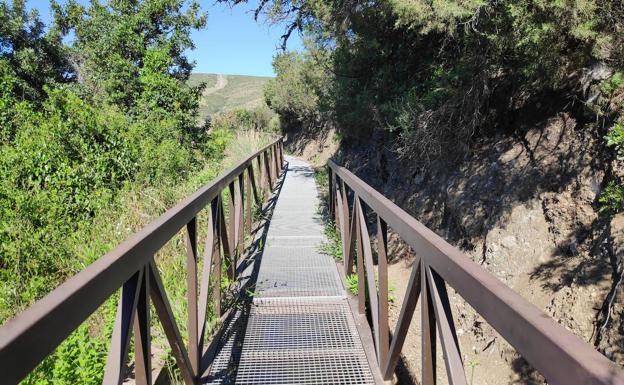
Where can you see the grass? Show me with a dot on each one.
(352, 286)
(472, 365)
(333, 246)
(245, 143)
(240, 91)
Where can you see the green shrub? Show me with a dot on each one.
(436, 74)
(612, 198)
(614, 83)
(81, 358)
(615, 136)
(352, 284)
(241, 119)
(85, 164)
(333, 246)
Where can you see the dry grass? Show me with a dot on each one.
(246, 143)
(240, 91)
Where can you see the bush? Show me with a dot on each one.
(612, 198)
(299, 93)
(81, 358)
(68, 149)
(615, 137)
(243, 119)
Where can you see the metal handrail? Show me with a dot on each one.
(33, 334)
(559, 355)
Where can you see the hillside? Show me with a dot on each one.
(224, 92)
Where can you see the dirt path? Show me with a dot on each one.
(219, 85)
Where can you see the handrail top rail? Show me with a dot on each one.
(533, 333)
(74, 300)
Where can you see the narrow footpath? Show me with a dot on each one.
(299, 328)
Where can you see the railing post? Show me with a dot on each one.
(120, 340)
(276, 157)
(428, 330)
(211, 251)
(360, 257)
(337, 215)
(248, 201)
(382, 272)
(351, 230)
(267, 167)
(369, 273)
(446, 327)
(347, 240)
(191, 295)
(273, 163)
(281, 151)
(222, 244)
(232, 230)
(240, 224)
(331, 180)
(167, 320)
(142, 334)
(254, 187)
(261, 180)
(405, 317)
(339, 219)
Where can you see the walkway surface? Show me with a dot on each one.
(299, 328)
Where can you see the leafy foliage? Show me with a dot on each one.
(80, 359)
(615, 137)
(88, 126)
(352, 284)
(132, 52)
(612, 198)
(244, 119)
(436, 74)
(33, 56)
(67, 154)
(300, 90)
(333, 246)
(98, 135)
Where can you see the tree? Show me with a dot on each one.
(437, 74)
(131, 53)
(29, 54)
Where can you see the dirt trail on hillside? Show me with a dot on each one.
(219, 85)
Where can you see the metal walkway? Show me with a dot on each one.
(298, 329)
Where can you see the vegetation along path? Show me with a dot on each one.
(299, 328)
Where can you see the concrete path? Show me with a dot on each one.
(299, 328)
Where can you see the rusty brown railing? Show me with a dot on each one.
(560, 356)
(28, 338)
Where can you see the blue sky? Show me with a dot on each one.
(232, 42)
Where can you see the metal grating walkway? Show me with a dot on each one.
(299, 328)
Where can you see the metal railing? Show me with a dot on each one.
(28, 338)
(560, 356)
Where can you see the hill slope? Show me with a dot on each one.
(224, 92)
